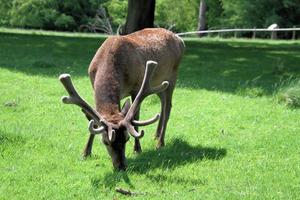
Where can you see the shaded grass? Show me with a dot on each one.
(227, 66)
(227, 138)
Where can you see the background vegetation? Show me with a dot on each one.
(181, 15)
(229, 136)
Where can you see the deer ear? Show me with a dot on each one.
(126, 107)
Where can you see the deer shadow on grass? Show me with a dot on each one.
(175, 154)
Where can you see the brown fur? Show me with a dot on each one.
(117, 71)
(118, 67)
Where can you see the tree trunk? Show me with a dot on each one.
(202, 17)
(140, 15)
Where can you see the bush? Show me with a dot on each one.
(33, 14)
(290, 94)
(48, 14)
(65, 22)
(5, 7)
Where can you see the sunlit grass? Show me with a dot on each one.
(228, 137)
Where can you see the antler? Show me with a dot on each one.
(94, 130)
(74, 98)
(128, 122)
(144, 91)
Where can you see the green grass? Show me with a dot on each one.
(289, 93)
(228, 137)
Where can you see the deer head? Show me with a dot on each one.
(115, 134)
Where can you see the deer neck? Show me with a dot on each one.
(107, 97)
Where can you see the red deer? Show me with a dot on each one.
(118, 71)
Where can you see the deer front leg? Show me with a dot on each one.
(87, 151)
(137, 146)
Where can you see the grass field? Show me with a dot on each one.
(228, 137)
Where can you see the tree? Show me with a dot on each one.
(202, 17)
(140, 14)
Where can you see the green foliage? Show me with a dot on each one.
(4, 12)
(253, 13)
(182, 15)
(48, 14)
(33, 13)
(65, 22)
(117, 10)
(179, 15)
(214, 13)
(219, 144)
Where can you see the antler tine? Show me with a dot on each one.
(74, 98)
(111, 134)
(146, 122)
(94, 130)
(133, 132)
(144, 91)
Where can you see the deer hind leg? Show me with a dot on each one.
(160, 123)
(166, 105)
(137, 146)
(87, 151)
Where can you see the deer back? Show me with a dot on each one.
(120, 61)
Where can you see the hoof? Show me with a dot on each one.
(160, 145)
(156, 137)
(137, 150)
(85, 154)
